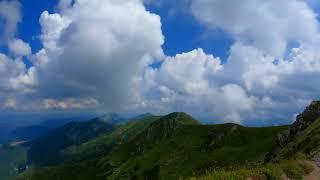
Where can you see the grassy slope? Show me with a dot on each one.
(290, 160)
(171, 147)
(92, 150)
(10, 158)
(104, 144)
(295, 170)
(188, 151)
(306, 143)
(46, 149)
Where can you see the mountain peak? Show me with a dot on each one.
(112, 118)
(168, 124)
(181, 118)
(303, 120)
(310, 114)
(141, 116)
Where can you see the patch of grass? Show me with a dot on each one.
(296, 169)
(267, 172)
(223, 175)
(306, 144)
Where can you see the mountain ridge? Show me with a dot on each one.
(177, 146)
(60, 138)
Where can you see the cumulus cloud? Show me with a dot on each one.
(98, 49)
(186, 83)
(250, 86)
(19, 48)
(15, 78)
(10, 16)
(268, 25)
(187, 72)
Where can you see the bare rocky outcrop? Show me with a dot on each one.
(303, 120)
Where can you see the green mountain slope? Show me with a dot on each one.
(105, 143)
(46, 149)
(194, 149)
(302, 138)
(296, 151)
(170, 147)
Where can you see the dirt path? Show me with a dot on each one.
(284, 177)
(315, 175)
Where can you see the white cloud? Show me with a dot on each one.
(98, 49)
(14, 77)
(69, 103)
(10, 104)
(10, 16)
(186, 83)
(52, 26)
(250, 86)
(19, 48)
(269, 25)
(187, 72)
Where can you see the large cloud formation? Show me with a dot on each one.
(9, 17)
(108, 54)
(272, 68)
(15, 79)
(98, 49)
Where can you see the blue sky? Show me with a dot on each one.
(29, 28)
(218, 60)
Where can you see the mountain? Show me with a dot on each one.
(169, 147)
(52, 124)
(295, 154)
(165, 126)
(301, 138)
(31, 132)
(104, 144)
(45, 150)
(112, 118)
(177, 146)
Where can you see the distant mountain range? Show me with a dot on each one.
(175, 146)
(10, 132)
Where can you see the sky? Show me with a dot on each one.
(250, 62)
